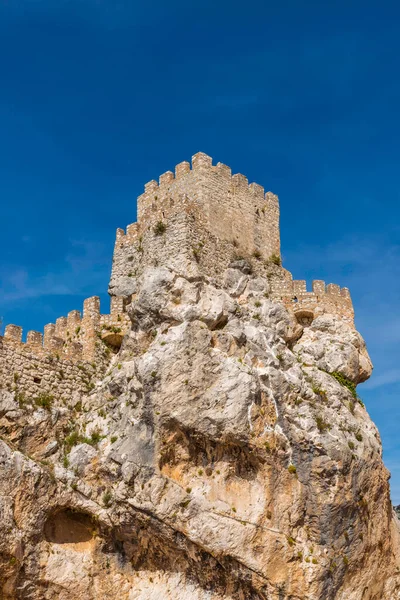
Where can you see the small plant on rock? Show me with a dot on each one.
(347, 384)
(275, 259)
(44, 401)
(159, 228)
(291, 541)
(95, 437)
(107, 498)
(321, 424)
(319, 391)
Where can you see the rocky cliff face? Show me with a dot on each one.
(225, 455)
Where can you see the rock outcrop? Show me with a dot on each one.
(224, 455)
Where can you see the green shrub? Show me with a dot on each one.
(292, 469)
(275, 259)
(291, 541)
(95, 437)
(71, 440)
(20, 398)
(107, 497)
(319, 391)
(346, 383)
(321, 424)
(159, 228)
(44, 401)
(75, 438)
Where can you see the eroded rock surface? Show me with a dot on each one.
(224, 456)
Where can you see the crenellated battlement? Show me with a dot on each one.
(202, 162)
(329, 298)
(74, 337)
(194, 220)
(63, 359)
(158, 201)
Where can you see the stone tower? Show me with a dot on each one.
(196, 221)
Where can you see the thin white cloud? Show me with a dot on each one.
(84, 265)
(385, 378)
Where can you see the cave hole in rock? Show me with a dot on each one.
(304, 317)
(67, 526)
(113, 339)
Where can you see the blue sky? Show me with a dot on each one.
(99, 97)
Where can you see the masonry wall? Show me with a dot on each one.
(32, 375)
(323, 298)
(209, 216)
(68, 357)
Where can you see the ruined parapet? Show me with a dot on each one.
(90, 326)
(114, 326)
(195, 221)
(323, 298)
(73, 337)
(13, 334)
(63, 359)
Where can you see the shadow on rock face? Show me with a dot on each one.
(68, 527)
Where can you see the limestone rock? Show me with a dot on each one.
(226, 461)
(80, 456)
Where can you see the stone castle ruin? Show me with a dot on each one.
(196, 221)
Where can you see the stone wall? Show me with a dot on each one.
(322, 299)
(195, 222)
(33, 374)
(68, 356)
